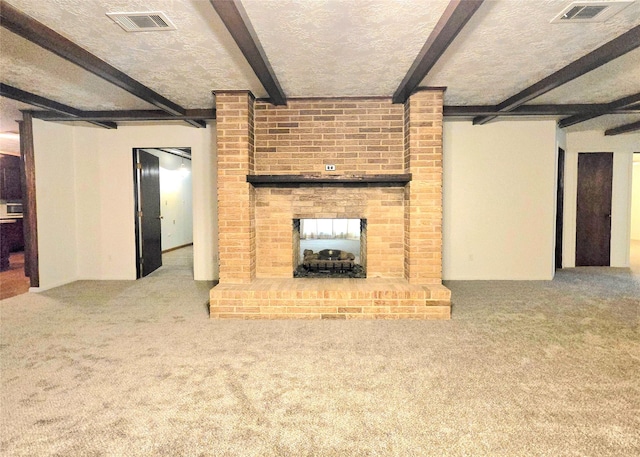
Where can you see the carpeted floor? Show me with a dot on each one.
(137, 369)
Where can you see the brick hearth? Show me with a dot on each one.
(362, 137)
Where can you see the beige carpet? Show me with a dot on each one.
(138, 369)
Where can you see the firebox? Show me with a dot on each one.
(329, 248)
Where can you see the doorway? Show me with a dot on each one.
(166, 190)
(593, 219)
(147, 213)
(559, 208)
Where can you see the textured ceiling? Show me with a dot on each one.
(609, 82)
(183, 65)
(58, 79)
(342, 47)
(321, 48)
(510, 44)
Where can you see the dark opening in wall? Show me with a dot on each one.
(330, 248)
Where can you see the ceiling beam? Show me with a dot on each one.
(615, 48)
(454, 18)
(626, 128)
(624, 102)
(538, 110)
(27, 27)
(71, 113)
(128, 115)
(237, 23)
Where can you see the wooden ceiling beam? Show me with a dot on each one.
(27, 27)
(615, 48)
(538, 110)
(626, 128)
(71, 113)
(621, 103)
(454, 18)
(239, 26)
(199, 115)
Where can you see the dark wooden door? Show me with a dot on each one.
(148, 215)
(559, 208)
(593, 222)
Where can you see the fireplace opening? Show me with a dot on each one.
(329, 248)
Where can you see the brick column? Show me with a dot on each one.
(423, 196)
(236, 197)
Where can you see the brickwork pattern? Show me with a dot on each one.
(236, 239)
(382, 207)
(423, 195)
(357, 136)
(403, 240)
(341, 299)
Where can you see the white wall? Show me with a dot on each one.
(635, 199)
(499, 197)
(622, 147)
(55, 198)
(204, 175)
(175, 199)
(86, 201)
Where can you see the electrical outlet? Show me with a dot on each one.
(329, 168)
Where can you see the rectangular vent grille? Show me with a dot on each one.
(586, 11)
(143, 22)
(583, 12)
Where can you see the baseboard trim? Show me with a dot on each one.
(177, 247)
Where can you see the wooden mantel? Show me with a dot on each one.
(390, 179)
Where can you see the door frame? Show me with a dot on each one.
(30, 217)
(559, 209)
(136, 219)
(580, 249)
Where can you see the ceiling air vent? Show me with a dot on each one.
(590, 11)
(143, 22)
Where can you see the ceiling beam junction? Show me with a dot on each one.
(239, 26)
(454, 18)
(626, 128)
(71, 113)
(27, 27)
(625, 102)
(615, 48)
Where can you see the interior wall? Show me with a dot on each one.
(175, 200)
(106, 160)
(622, 147)
(85, 198)
(635, 198)
(55, 198)
(204, 176)
(499, 198)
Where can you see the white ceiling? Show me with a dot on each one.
(319, 48)
(328, 48)
(509, 45)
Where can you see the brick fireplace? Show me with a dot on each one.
(271, 171)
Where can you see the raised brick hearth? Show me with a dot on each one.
(363, 137)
